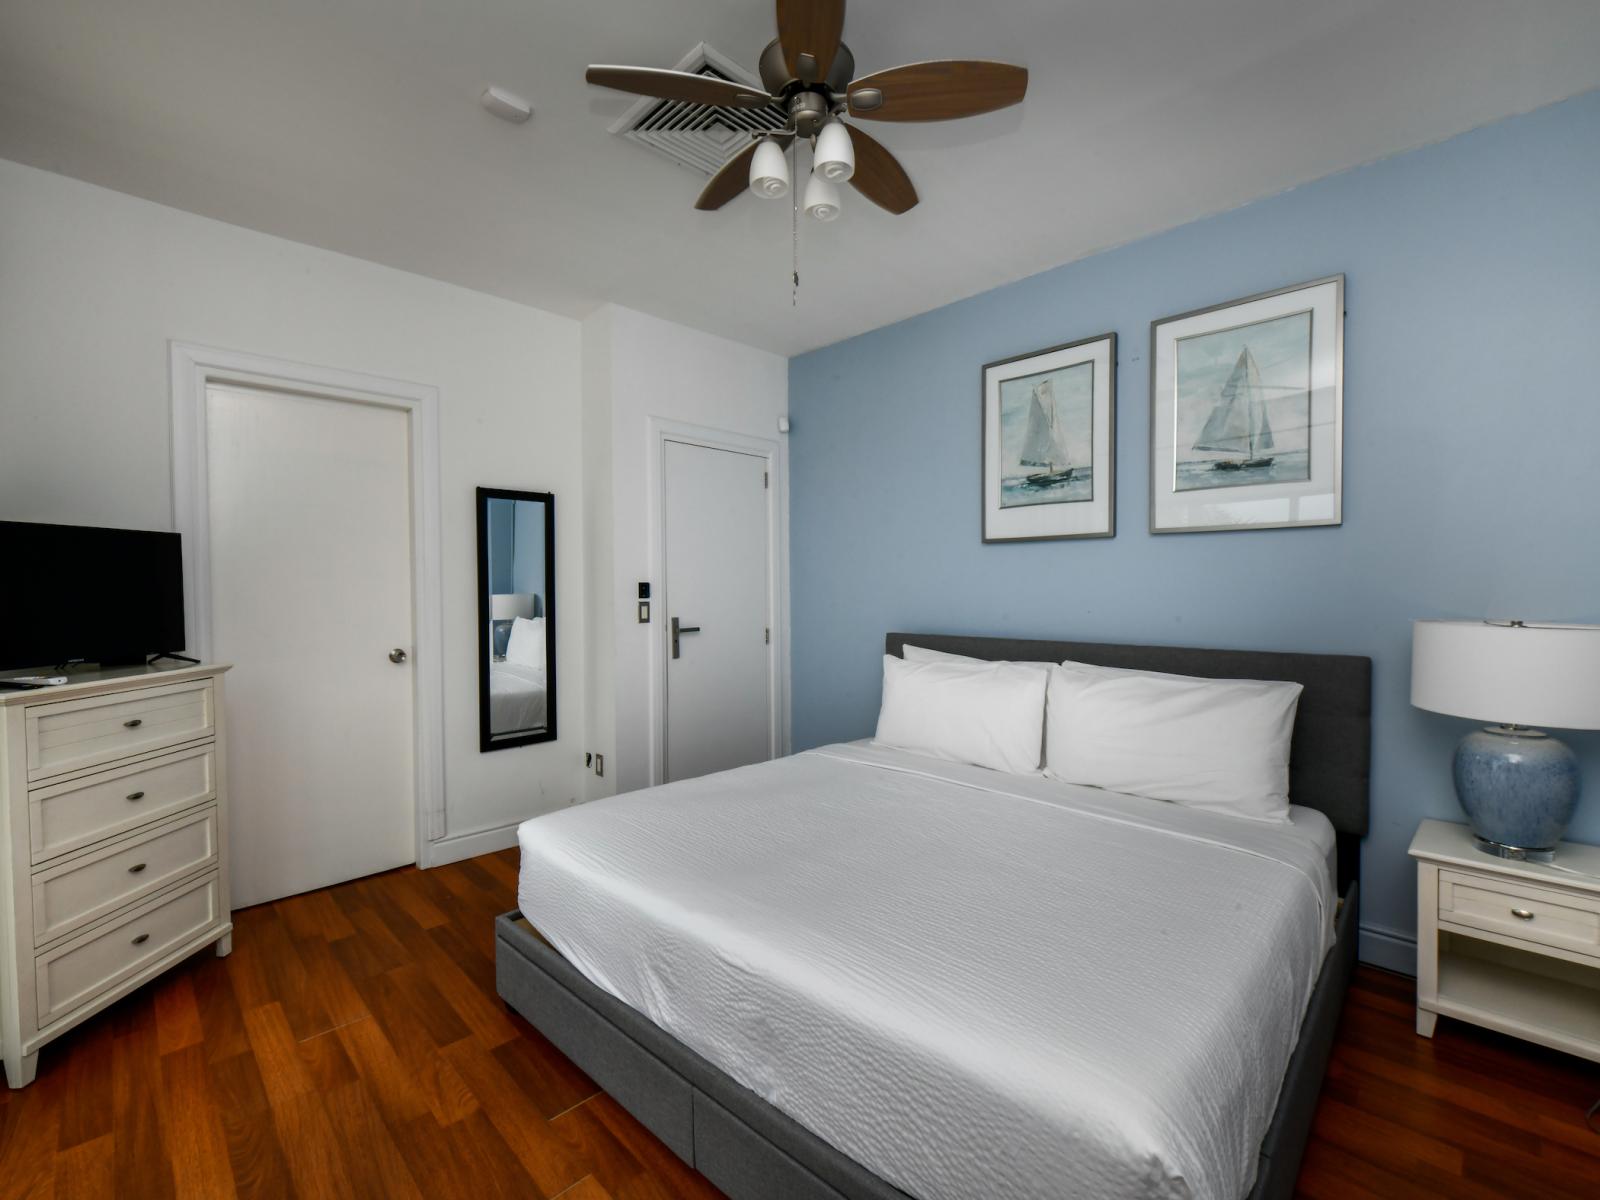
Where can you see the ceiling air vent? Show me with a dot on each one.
(695, 135)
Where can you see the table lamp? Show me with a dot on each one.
(507, 606)
(1518, 785)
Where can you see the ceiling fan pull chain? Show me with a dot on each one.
(794, 222)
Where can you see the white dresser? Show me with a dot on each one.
(114, 846)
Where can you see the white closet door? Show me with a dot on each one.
(310, 546)
(719, 687)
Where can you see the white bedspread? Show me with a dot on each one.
(517, 697)
(975, 984)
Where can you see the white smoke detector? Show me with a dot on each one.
(508, 106)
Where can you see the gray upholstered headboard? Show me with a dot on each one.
(1330, 757)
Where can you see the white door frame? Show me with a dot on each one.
(194, 368)
(663, 431)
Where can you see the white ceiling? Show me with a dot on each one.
(354, 125)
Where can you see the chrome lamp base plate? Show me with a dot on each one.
(1516, 853)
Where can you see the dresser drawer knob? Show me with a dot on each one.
(135, 795)
(141, 939)
(1522, 914)
(136, 868)
(133, 724)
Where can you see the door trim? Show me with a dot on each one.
(195, 367)
(663, 431)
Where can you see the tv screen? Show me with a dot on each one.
(77, 592)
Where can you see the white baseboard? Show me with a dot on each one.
(468, 845)
(1389, 949)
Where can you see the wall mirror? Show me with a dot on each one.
(516, 618)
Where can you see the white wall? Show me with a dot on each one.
(636, 368)
(93, 285)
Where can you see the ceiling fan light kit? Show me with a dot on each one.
(834, 156)
(809, 73)
(769, 171)
(822, 198)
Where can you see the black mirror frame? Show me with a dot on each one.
(486, 740)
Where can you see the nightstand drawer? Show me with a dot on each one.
(1568, 921)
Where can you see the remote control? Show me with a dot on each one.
(39, 680)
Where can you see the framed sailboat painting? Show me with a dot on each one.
(1247, 412)
(1050, 443)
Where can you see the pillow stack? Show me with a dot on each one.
(1215, 744)
(984, 713)
(525, 646)
(1218, 744)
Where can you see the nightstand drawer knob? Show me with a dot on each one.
(1522, 914)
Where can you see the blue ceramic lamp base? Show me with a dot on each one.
(1519, 788)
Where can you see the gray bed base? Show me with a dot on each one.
(751, 1151)
(754, 1152)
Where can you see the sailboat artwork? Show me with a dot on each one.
(1238, 426)
(1247, 412)
(1046, 437)
(1250, 431)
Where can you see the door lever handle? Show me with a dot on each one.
(680, 629)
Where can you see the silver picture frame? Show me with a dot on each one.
(1247, 468)
(1052, 501)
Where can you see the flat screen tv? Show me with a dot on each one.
(75, 592)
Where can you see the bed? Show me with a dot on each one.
(863, 987)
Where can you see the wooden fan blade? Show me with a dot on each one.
(677, 85)
(729, 182)
(879, 176)
(809, 32)
(937, 91)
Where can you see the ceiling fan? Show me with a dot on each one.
(809, 73)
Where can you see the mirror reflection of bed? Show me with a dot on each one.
(515, 569)
(516, 665)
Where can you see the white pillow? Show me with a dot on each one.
(984, 713)
(1217, 744)
(924, 654)
(525, 647)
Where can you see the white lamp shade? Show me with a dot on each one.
(506, 606)
(769, 172)
(835, 156)
(822, 199)
(1538, 675)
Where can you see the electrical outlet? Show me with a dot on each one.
(600, 765)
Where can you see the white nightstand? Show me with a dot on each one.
(1513, 946)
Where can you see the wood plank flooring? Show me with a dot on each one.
(353, 1045)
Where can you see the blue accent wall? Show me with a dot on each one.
(527, 545)
(502, 545)
(1471, 439)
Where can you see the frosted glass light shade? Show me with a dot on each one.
(835, 156)
(769, 172)
(822, 199)
(506, 606)
(1537, 675)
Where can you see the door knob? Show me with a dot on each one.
(397, 655)
(678, 629)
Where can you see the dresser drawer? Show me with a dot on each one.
(76, 893)
(78, 734)
(1566, 920)
(73, 975)
(67, 816)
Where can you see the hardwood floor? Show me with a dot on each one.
(353, 1045)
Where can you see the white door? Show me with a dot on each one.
(310, 546)
(717, 566)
